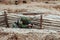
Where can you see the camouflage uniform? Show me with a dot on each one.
(22, 23)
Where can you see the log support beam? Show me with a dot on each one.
(6, 19)
(41, 20)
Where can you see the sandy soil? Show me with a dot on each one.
(28, 34)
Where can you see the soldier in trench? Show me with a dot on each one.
(23, 22)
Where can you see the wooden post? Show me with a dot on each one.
(41, 21)
(6, 19)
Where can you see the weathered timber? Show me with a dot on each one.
(6, 19)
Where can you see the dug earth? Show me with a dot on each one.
(28, 34)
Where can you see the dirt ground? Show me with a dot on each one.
(28, 34)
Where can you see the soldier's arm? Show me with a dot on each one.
(14, 25)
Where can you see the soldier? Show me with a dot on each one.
(24, 22)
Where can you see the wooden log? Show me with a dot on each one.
(41, 22)
(6, 19)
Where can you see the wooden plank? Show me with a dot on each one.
(2, 21)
